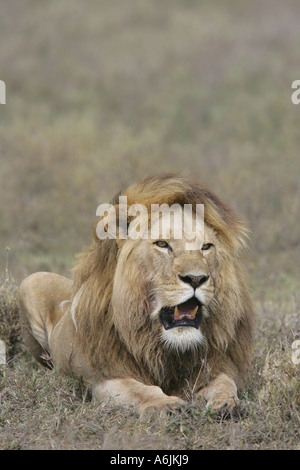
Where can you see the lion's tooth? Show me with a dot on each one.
(193, 314)
(176, 313)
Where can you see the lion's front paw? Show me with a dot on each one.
(222, 401)
(163, 406)
(221, 394)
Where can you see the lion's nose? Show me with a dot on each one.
(194, 281)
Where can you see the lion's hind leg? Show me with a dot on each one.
(30, 329)
(40, 297)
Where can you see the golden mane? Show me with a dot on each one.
(93, 314)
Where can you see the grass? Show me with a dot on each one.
(42, 409)
(9, 317)
(124, 89)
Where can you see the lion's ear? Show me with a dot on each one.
(112, 223)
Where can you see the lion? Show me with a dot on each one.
(146, 321)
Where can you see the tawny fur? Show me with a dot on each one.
(107, 334)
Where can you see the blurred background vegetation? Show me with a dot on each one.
(102, 93)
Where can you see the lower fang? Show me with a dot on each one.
(193, 314)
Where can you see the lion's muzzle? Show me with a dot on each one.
(187, 314)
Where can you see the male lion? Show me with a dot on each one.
(149, 322)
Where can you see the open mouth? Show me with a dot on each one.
(186, 314)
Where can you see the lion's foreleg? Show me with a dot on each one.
(221, 393)
(128, 391)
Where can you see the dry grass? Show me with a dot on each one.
(123, 89)
(9, 317)
(41, 409)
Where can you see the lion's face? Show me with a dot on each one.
(169, 283)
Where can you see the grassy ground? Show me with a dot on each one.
(41, 409)
(100, 95)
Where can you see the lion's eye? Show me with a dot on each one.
(206, 246)
(162, 244)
